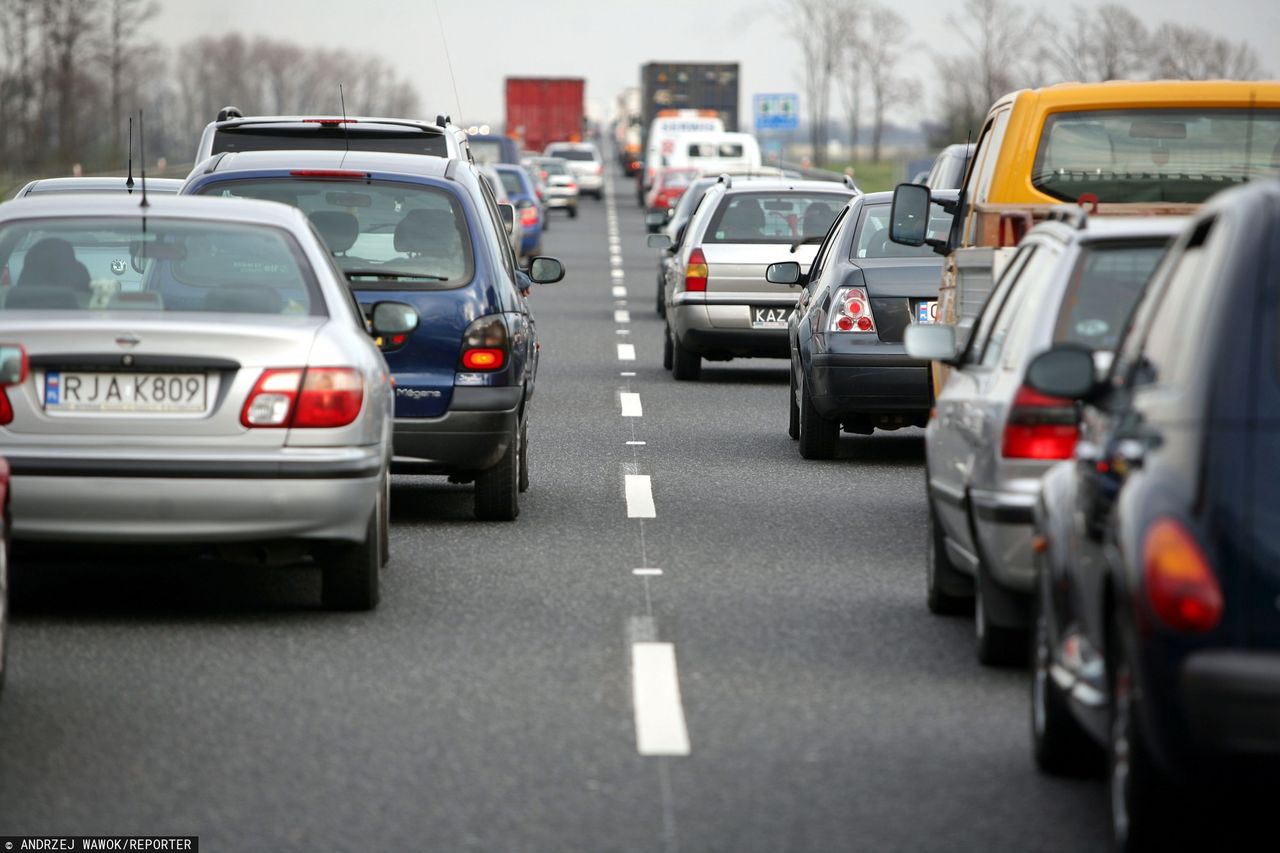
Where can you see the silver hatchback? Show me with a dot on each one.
(719, 305)
(199, 373)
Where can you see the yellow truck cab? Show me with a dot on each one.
(1122, 148)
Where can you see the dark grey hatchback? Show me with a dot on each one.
(848, 365)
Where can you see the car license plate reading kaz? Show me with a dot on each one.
(770, 318)
(66, 391)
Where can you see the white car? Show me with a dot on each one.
(714, 153)
(199, 373)
(585, 164)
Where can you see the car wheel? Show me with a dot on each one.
(943, 582)
(686, 365)
(793, 409)
(498, 489)
(818, 436)
(546, 221)
(1060, 745)
(524, 458)
(349, 570)
(668, 348)
(997, 645)
(384, 529)
(573, 212)
(661, 303)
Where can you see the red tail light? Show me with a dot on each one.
(6, 408)
(572, 185)
(529, 216)
(599, 169)
(484, 345)
(1040, 427)
(1179, 582)
(695, 275)
(851, 311)
(317, 397)
(329, 122)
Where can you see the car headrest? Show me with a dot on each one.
(423, 230)
(51, 262)
(743, 216)
(338, 228)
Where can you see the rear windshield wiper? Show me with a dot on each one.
(395, 276)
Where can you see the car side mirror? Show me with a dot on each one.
(909, 216)
(784, 272)
(1066, 371)
(659, 241)
(13, 364)
(543, 270)
(508, 214)
(654, 221)
(931, 342)
(393, 318)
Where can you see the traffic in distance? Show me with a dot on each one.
(531, 383)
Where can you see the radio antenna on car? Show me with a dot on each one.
(128, 184)
(142, 157)
(346, 134)
(448, 59)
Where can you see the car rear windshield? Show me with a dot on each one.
(118, 264)
(715, 149)
(1155, 155)
(873, 240)
(572, 153)
(773, 217)
(511, 182)
(486, 150)
(397, 140)
(378, 231)
(552, 167)
(1106, 284)
(679, 177)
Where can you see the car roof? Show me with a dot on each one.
(577, 146)
(101, 184)
(367, 161)
(774, 184)
(161, 206)
(338, 119)
(1104, 228)
(887, 196)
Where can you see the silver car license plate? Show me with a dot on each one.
(80, 391)
(770, 316)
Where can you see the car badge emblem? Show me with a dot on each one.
(117, 266)
(128, 339)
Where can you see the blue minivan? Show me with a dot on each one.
(424, 231)
(521, 192)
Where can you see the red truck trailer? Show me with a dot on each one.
(542, 110)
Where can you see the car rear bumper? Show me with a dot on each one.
(695, 329)
(590, 183)
(1004, 522)
(293, 495)
(462, 440)
(1232, 700)
(882, 380)
(558, 201)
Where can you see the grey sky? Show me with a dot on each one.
(606, 41)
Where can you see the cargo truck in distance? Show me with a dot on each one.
(684, 90)
(542, 110)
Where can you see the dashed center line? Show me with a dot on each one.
(631, 407)
(655, 685)
(639, 489)
(619, 292)
(621, 316)
(626, 352)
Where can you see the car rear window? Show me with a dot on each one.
(873, 240)
(1106, 284)
(773, 217)
(715, 149)
(378, 231)
(117, 264)
(486, 150)
(552, 167)
(572, 153)
(511, 182)
(397, 140)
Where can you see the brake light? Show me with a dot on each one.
(851, 311)
(695, 275)
(316, 397)
(599, 168)
(484, 345)
(1180, 585)
(329, 122)
(335, 174)
(1040, 427)
(571, 185)
(529, 216)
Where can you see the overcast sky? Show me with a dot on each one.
(607, 41)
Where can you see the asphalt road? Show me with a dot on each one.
(515, 689)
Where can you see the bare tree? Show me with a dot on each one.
(67, 26)
(122, 52)
(1185, 53)
(1108, 43)
(883, 47)
(820, 29)
(852, 84)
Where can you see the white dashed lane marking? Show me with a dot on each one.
(621, 316)
(626, 352)
(655, 685)
(640, 496)
(619, 292)
(631, 407)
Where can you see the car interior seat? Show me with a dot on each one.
(338, 228)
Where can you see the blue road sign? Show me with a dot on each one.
(776, 111)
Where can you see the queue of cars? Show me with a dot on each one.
(1099, 435)
(239, 366)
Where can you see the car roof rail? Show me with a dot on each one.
(726, 179)
(442, 119)
(1071, 215)
(229, 112)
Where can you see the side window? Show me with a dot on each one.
(986, 319)
(982, 171)
(499, 231)
(824, 251)
(1027, 289)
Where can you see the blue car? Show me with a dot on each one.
(521, 192)
(424, 231)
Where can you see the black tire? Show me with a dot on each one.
(524, 458)
(997, 645)
(686, 365)
(793, 409)
(818, 436)
(349, 570)
(384, 528)
(1060, 745)
(546, 221)
(668, 353)
(4, 600)
(498, 489)
(573, 212)
(945, 585)
(662, 302)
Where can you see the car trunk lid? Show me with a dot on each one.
(897, 288)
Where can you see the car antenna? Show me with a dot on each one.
(128, 184)
(448, 59)
(142, 157)
(346, 135)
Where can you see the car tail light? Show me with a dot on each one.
(329, 122)
(1180, 585)
(316, 397)
(851, 311)
(6, 408)
(484, 345)
(330, 174)
(529, 216)
(572, 185)
(1040, 427)
(599, 169)
(695, 275)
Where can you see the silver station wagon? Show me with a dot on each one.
(198, 372)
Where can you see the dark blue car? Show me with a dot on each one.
(424, 231)
(521, 192)
(1157, 624)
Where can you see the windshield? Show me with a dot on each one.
(572, 153)
(319, 137)
(553, 167)
(873, 234)
(376, 230)
(88, 264)
(1105, 286)
(511, 182)
(1155, 155)
(715, 149)
(778, 217)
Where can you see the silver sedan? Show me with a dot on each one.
(198, 372)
